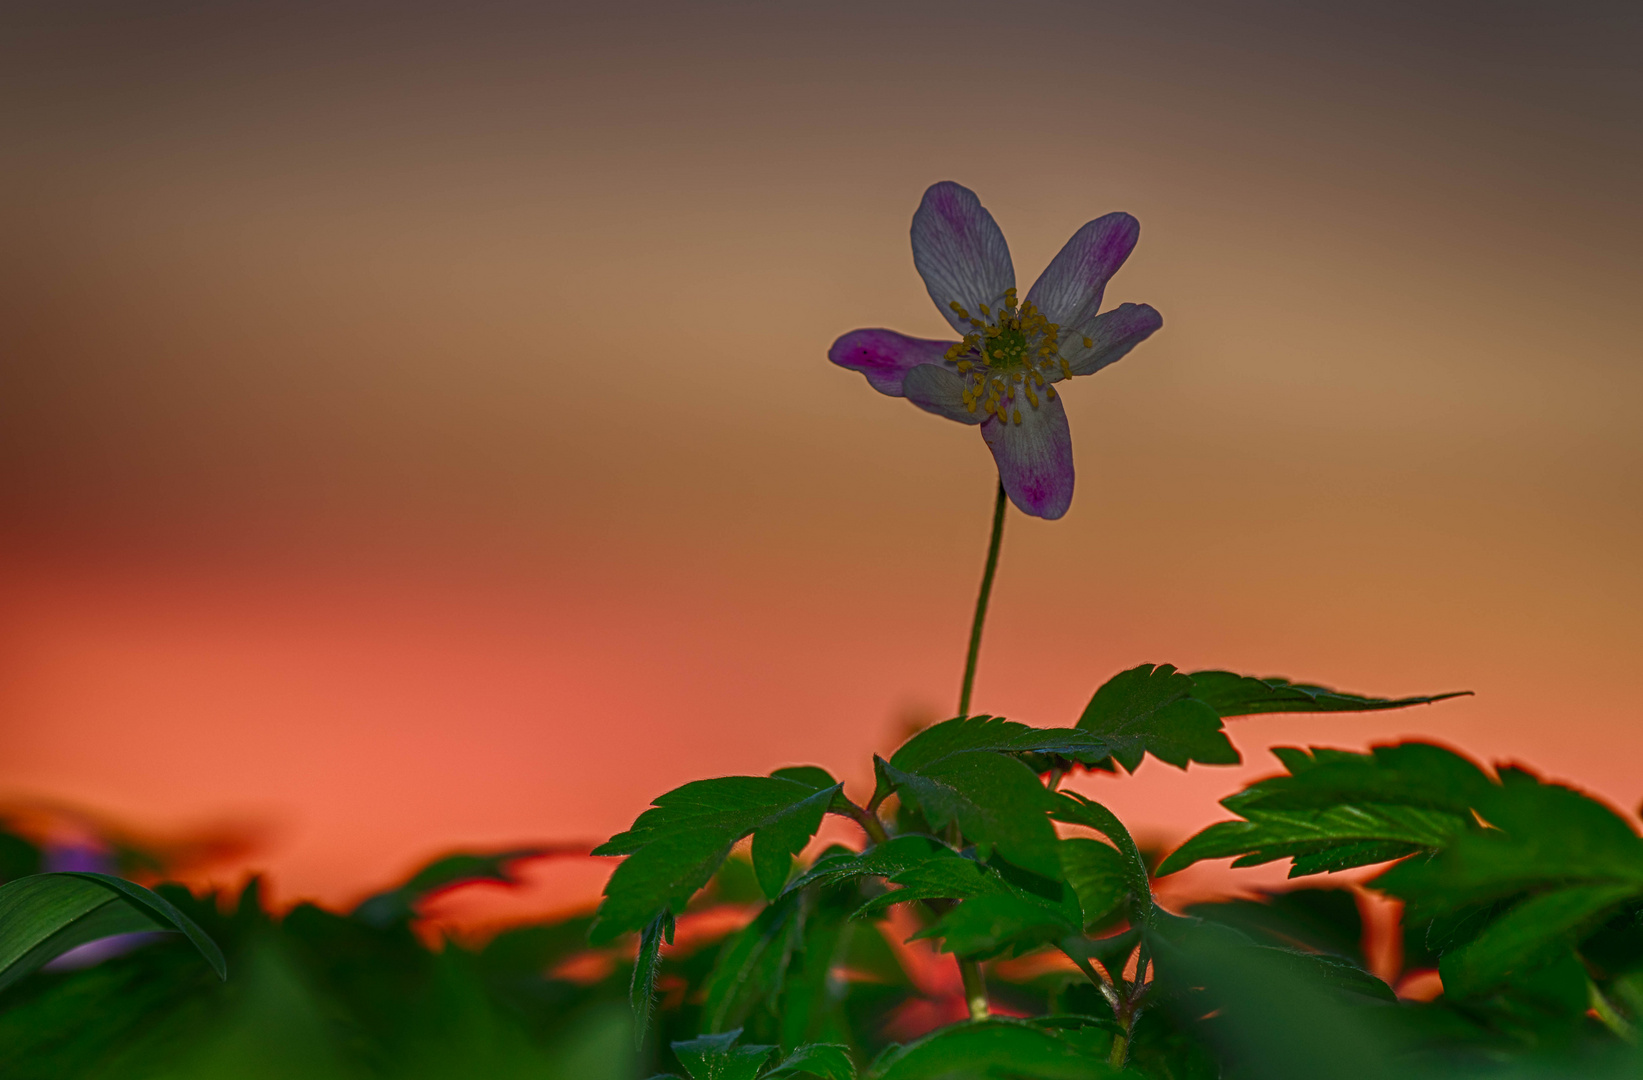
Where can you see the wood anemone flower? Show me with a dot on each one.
(1001, 374)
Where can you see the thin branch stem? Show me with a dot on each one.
(867, 819)
(981, 603)
(975, 989)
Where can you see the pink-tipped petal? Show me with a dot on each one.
(1068, 292)
(960, 252)
(1035, 458)
(935, 389)
(1111, 336)
(885, 356)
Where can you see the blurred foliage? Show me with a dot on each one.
(1524, 897)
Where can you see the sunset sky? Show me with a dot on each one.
(416, 429)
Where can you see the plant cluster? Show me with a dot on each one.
(985, 922)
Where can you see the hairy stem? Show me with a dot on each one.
(869, 821)
(981, 603)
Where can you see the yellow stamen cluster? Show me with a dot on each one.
(1008, 352)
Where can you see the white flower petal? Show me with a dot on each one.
(960, 252)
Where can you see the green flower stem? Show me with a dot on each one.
(981, 603)
(975, 989)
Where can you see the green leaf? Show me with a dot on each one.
(944, 876)
(994, 733)
(881, 860)
(717, 1057)
(1337, 810)
(1319, 920)
(1099, 876)
(811, 1008)
(997, 801)
(830, 1061)
(1245, 695)
(1530, 935)
(752, 965)
(1323, 839)
(1002, 923)
(399, 905)
(1150, 709)
(1075, 809)
(45, 915)
(642, 990)
(674, 848)
(1408, 774)
(990, 1048)
(1334, 972)
(1540, 836)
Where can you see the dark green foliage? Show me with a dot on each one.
(1151, 710)
(1317, 920)
(963, 734)
(1000, 924)
(1075, 809)
(399, 904)
(1551, 865)
(642, 988)
(675, 847)
(1337, 810)
(45, 915)
(993, 799)
(717, 1057)
(829, 1061)
(752, 968)
(1098, 875)
(724, 1057)
(18, 857)
(1244, 695)
(1527, 896)
(1177, 717)
(318, 995)
(995, 1048)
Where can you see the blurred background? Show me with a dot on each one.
(416, 429)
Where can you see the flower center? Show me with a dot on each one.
(1010, 353)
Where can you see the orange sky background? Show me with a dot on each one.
(415, 426)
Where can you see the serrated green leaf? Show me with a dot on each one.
(945, 876)
(1338, 809)
(994, 733)
(642, 990)
(1540, 835)
(1335, 838)
(990, 1048)
(999, 924)
(43, 916)
(674, 847)
(997, 801)
(830, 1061)
(752, 965)
(881, 860)
(1150, 709)
(1529, 936)
(717, 1057)
(1098, 875)
(1230, 694)
(1407, 774)
(1075, 809)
